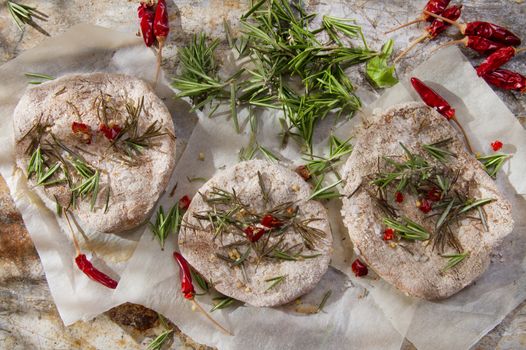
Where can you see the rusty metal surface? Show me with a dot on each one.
(28, 317)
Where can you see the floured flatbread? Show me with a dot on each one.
(420, 267)
(219, 234)
(105, 128)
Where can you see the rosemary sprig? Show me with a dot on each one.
(275, 281)
(492, 163)
(318, 165)
(454, 260)
(166, 223)
(198, 78)
(89, 186)
(161, 339)
(407, 229)
(24, 14)
(129, 139)
(281, 45)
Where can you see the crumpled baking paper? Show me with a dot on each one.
(83, 49)
(351, 319)
(461, 320)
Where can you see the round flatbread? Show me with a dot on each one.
(419, 268)
(279, 266)
(111, 140)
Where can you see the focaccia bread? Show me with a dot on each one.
(254, 235)
(420, 267)
(111, 140)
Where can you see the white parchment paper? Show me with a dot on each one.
(351, 319)
(83, 49)
(461, 320)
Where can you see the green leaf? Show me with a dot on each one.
(378, 71)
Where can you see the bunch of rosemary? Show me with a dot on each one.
(288, 65)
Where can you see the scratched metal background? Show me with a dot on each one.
(28, 317)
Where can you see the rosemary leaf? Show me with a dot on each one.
(201, 282)
(472, 204)
(222, 303)
(492, 163)
(268, 154)
(326, 297)
(275, 281)
(325, 192)
(454, 260)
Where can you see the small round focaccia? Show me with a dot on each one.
(111, 140)
(418, 267)
(252, 233)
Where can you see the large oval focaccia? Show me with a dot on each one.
(419, 267)
(64, 120)
(284, 262)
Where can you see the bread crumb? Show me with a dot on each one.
(234, 254)
(295, 187)
(201, 156)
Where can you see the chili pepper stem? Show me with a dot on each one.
(161, 41)
(75, 242)
(418, 20)
(461, 27)
(203, 311)
(520, 50)
(410, 47)
(454, 42)
(455, 120)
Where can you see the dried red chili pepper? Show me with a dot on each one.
(254, 234)
(187, 288)
(389, 234)
(110, 131)
(85, 265)
(434, 6)
(434, 29)
(184, 202)
(424, 205)
(399, 197)
(271, 222)
(438, 26)
(84, 130)
(434, 194)
(496, 60)
(160, 23)
(359, 268)
(496, 145)
(146, 15)
(89, 270)
(484, 29)
(477, 43)
(304, 172)
(434, 100)
(506, 79)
